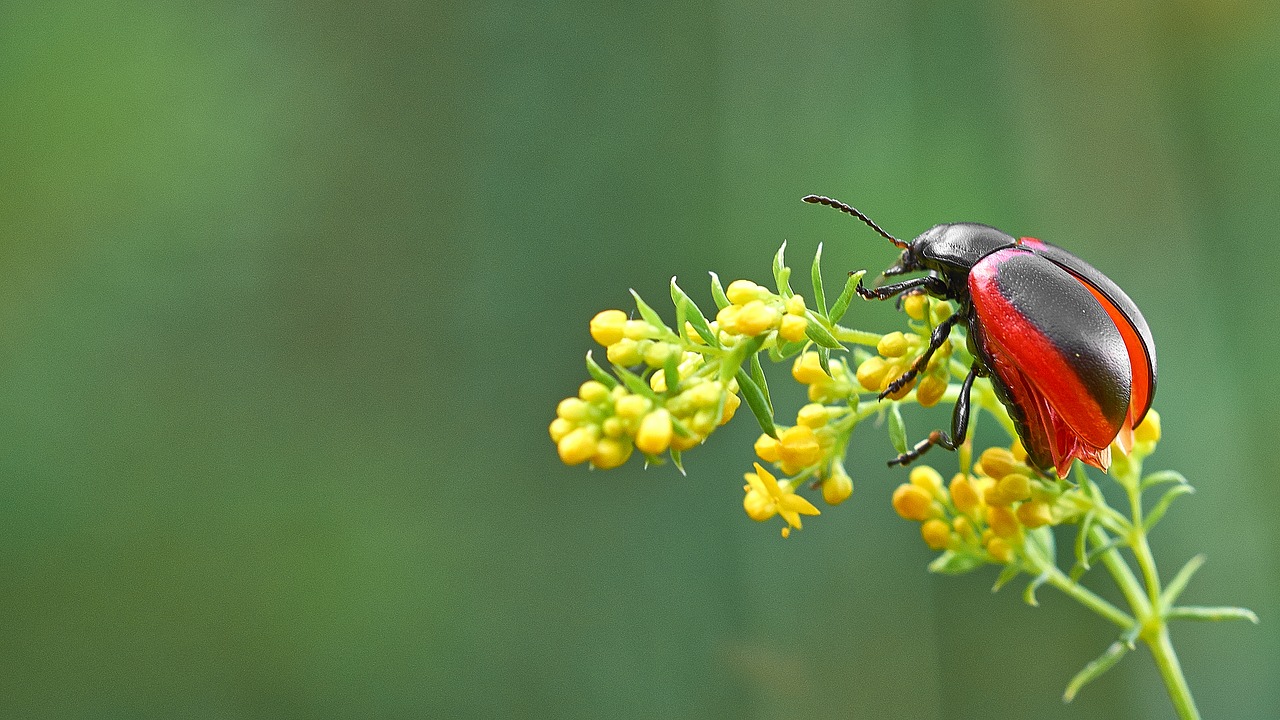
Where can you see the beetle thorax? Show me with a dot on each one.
(956, 247)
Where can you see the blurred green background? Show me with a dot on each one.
(291, 291)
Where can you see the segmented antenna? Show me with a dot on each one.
(829, 202)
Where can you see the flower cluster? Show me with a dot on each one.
(898, 352)
(983, 515)
(753, 311)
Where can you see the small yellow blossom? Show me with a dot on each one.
(741, 292)
(964, 495)
(926, 478)
(793, 327)
(773, 497)
(578, 446)
(931, 389)
(1149, 429)
(1034, 514)
(912, 503)
(814, 415)
(767, 448)
(1002, 521)
(1000, 550)
(625, 352)
(731, 404)
(807, 369)
(559, 428)
(756, 317)
(837, 488)
(998, 462)
(936, 533)
(572, 409)
(606, 326)
(610, 453)
(893, 344)
(915, 305)
(871, 373)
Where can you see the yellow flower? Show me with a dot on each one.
(808, 369)
(793, 327)
(837, 488)
(913, 502)
(766, 496)
(1149, 429)
(799, 448)
(607, 325)
(654, 435)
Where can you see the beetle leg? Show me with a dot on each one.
(932, 284)
(939, 336)
(959, 426)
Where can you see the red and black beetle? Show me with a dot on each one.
(1068, 353)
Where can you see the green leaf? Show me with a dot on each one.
(688, 310)
(1082, 545)
(650, 315)
(757, 374)
(949, 563)
(897, 428)
(1179, 581)
(678, 461)
(1211, 614)
(1029, 595)
(679, 428)
(817, 331)
(737, 355)
(599, 373)
(819, 295)
(781, 273)
(846, 296)
(1164, 476)
(717, 292)
(1008, 573)
(671, 373)
(1159, 509)
(1095, 669)
(824, 360)
(755, 400)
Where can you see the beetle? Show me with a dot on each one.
(1068, 353)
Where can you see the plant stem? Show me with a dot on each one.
(1167, 660)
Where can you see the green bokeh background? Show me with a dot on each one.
(291, 291)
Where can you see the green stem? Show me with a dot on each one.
(1171, 671)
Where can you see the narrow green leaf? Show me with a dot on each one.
(897, 428)
(949, 563)
(737, 355)
(1179, 581)
(780, 352)
(1159, 509)
(717, 292)
(1163, 476)
(1095, 669)
(671, 373)
(650, 315)
(678, 461)
(1211, 614)
(757, 374)
(846, 296)
(599, 373)
(1029, 595)
(819, 295)
(689, 310)
(781, 273)
(679, 428)
(1008, 573)
(824, 360)
(1082, 545)
(755, 400)
(817, 331)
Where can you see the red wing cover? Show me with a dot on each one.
(1056, 355)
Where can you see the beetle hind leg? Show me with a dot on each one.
(939, 336)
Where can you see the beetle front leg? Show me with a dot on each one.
(939, 336)
(959, 425)
(932, 284)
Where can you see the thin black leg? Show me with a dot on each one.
(959, 426)
(932, 284)
(939, 336)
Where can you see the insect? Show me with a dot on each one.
(1068, 353)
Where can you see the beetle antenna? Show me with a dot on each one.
(823, 200)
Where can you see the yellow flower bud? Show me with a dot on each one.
(1034, 514)
(1000, 550)
(837, 488)
(614, 427)
(941, 311)
(593, 392)
(890, 377)
(578, 446)
(624, 352)
(814, 415)
(768, 448)
(610, 453)
(682, 443)
(654, 435)
(871, 373)
(964, 495)
(795, 305)
(757, 317)
(912, 503)
(1019, 453)
(931, 390)
(573, 409)
(798, 449)
(631, 407)
(892, 345)
(793, 327)
(998, 462)
(1149, 429)
(936, 534)
(559, 428)
(727, 318)
(807, 369)
(731, 404)
(638, 330)
(964, 528)
(1002, 521)
(927, 479)
(915, 305)
(1015, 486)
(741, 292)
(702, 422)
(656, 355)
(606, 326)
